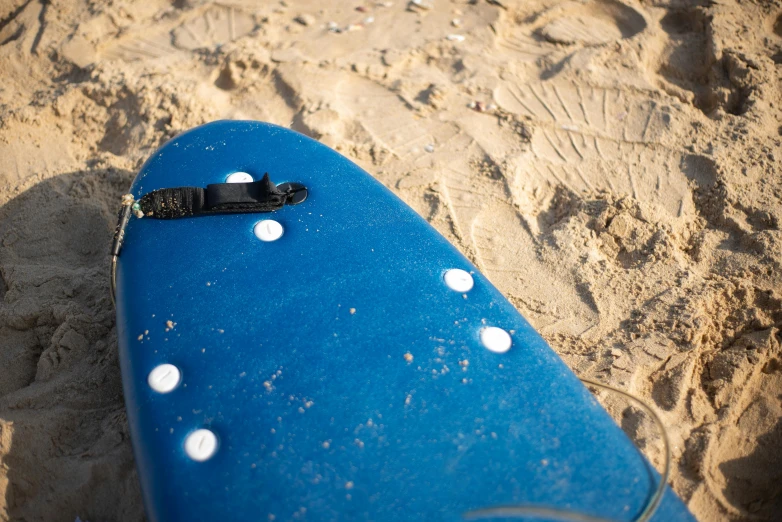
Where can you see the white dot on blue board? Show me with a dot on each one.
(239, 177)
(164, 378)
(201, 445)
(268, 230)
(458, 280)
(495, 339)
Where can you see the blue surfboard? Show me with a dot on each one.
(327, 355)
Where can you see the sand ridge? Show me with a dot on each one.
(611, 166)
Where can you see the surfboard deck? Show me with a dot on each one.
(335, 372)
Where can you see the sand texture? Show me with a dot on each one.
(613, 167)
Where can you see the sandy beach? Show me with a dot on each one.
(613, 168)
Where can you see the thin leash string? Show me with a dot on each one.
(573, 516)
(123, 218)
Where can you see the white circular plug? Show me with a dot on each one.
(268, 230)
(458, 280)
(201, 445)
(495, 339)
(239, 177)
(164, 378)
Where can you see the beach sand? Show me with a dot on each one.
(612, 167)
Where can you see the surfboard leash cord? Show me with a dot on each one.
(519, 511)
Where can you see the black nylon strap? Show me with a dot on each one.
(262, 196)
(218, 198)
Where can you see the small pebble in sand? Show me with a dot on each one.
(456, 22)
(361, 9)
(384, 4)
(369, 19)
(409, 357)
(354, 27)
(305, 19)
(455, 37)
(429, 148)
(426, 5)
(333, 27)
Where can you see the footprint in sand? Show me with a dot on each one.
(204, 27)
(589, 138)
(591, 23)
(586, 137)
(586, 23)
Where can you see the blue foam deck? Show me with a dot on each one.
(286, 345)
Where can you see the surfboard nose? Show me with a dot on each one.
(338, 359)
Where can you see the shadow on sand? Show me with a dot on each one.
(64, 444)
